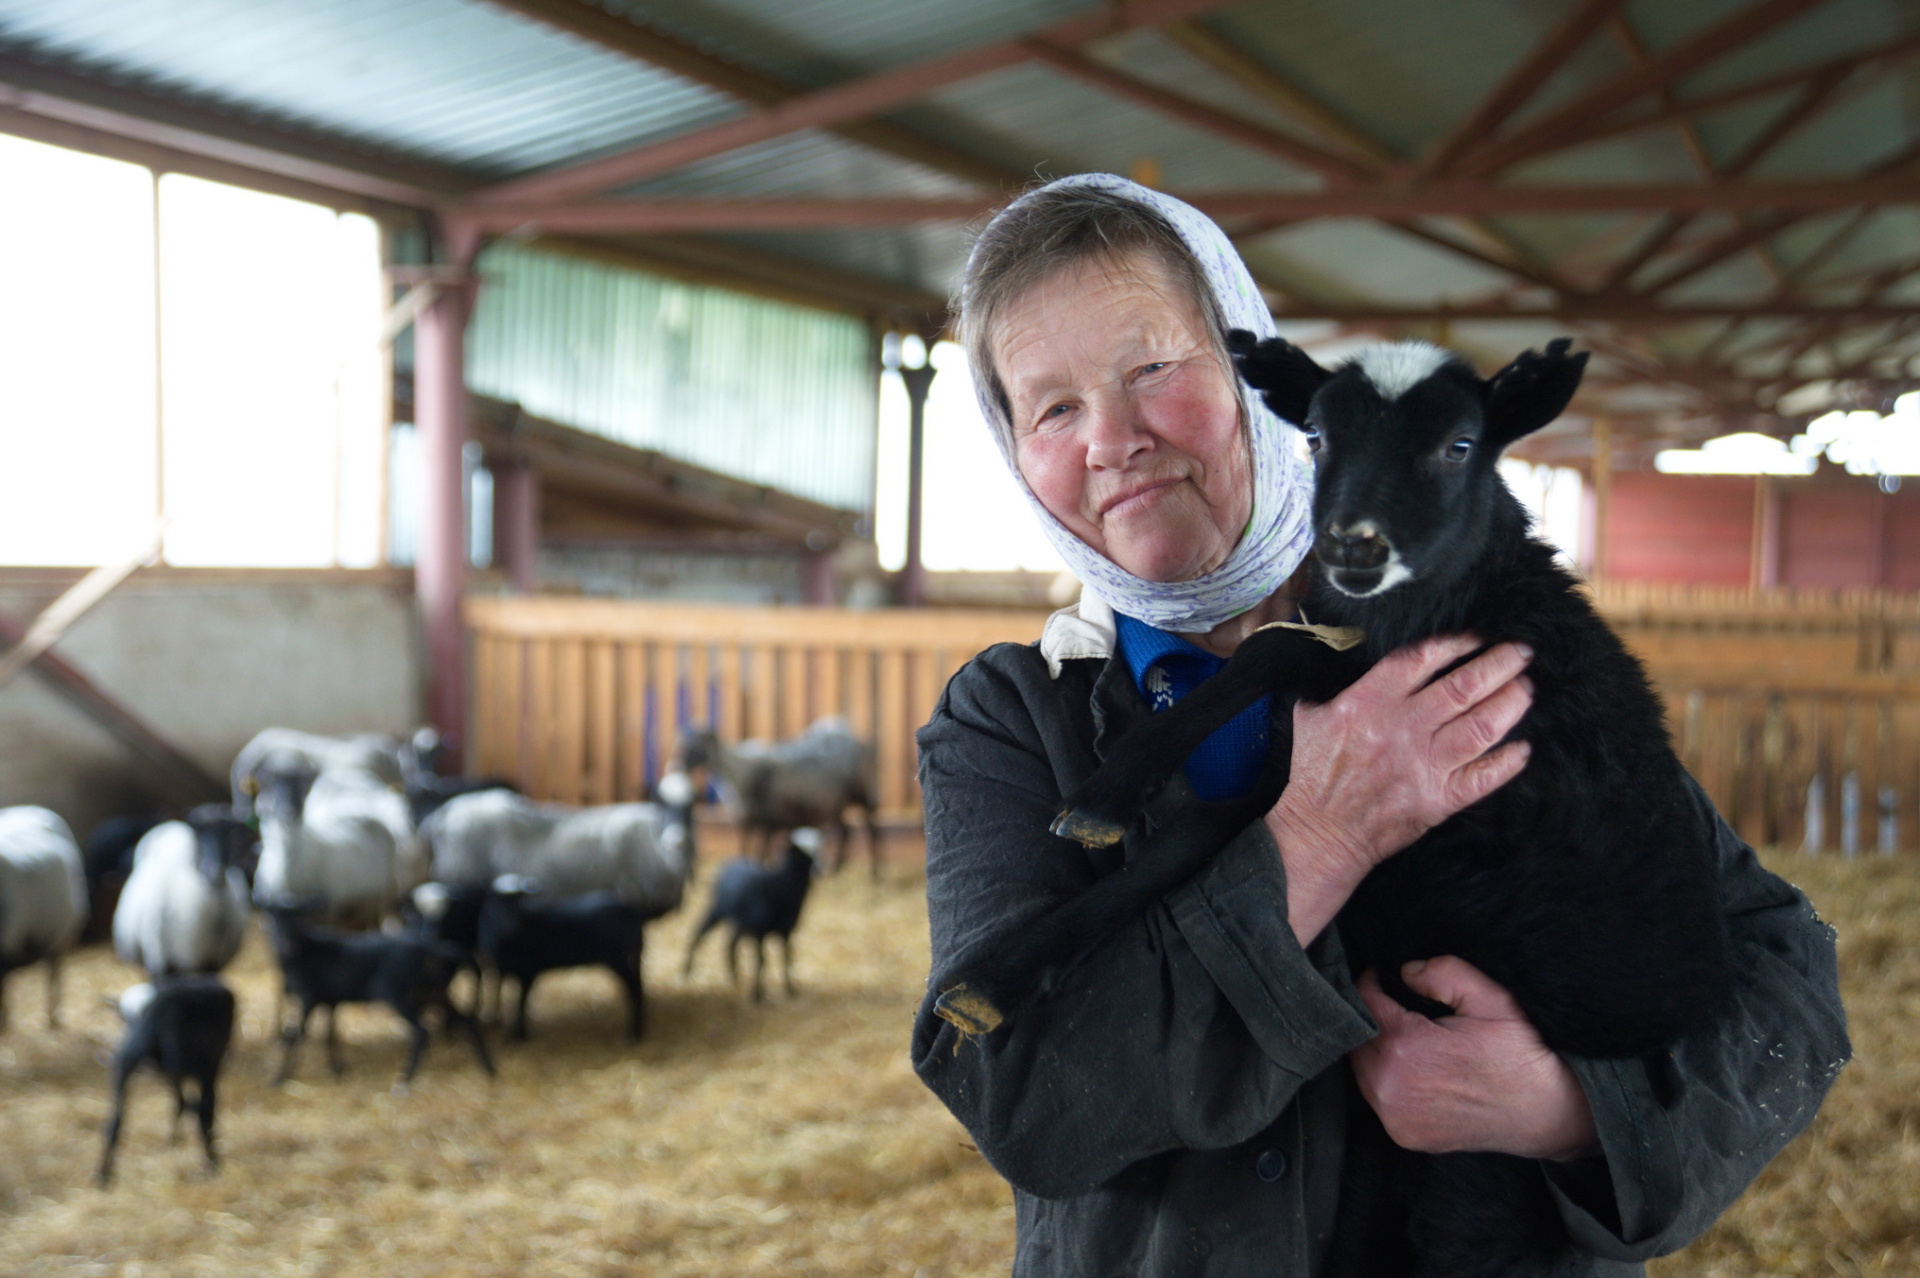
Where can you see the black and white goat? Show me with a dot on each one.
(181, 1026)
(43, 897)
(1585, 886)
(185, 906)
(322, 967)
(810, 780)
(757, 901)
(523, 937)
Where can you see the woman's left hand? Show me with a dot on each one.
(1480, 1079)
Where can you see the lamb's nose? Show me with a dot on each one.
(1359, 546)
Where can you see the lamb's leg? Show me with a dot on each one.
(992, 984)
(873, 842)
(123, 1067)
(416, 1048)
(629, 975)
(786, 962)
(520, 1013)
(733, 957)
(335, 1061)
(706, 925)
(207, 1101)
(1106, 805)
(53, 991)
(759, 969)
(290, 1036)
(471, 1027)
(179, 1111)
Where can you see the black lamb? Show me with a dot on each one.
(1585, 886)
(522, 937)
(756, 902)
(180, 1025)
(323, 967)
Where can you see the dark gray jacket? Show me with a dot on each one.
(1181, 1107)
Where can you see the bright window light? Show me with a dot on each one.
(976, 517)
(1865, 442)
(76, 357)
(1742, 453)
(260, 438)
(1552, 495)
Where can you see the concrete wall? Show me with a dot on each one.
(206, 659)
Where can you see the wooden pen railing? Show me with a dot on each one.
(583, 700)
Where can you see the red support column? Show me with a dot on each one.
(913, 575)
(516, 523)
(440, 410)
(819, 585)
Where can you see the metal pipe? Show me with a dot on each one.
(440, 410)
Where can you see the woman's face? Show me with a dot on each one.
(1126, 425)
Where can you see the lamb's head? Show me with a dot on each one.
(1405, 438)
(221, 839)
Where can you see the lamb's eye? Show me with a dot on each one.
(1311, 434)
(1459, 449)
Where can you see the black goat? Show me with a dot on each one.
(524, 938)
(1585, 885)
(322, 967)
(180, 1025)
(757, 902)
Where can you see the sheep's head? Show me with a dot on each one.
(221, 837)
(1404, 439)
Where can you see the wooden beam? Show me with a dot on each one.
(622, 34)
(825, 108)
(1519, 84)
(184, 780)
(1210, 119)
(1630, 309)
(1663, 70)
(696, 215)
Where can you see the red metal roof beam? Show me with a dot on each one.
(637, 217)
(853, 101)
(1520, 84)
(1552, 132)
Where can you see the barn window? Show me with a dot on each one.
(184, 349)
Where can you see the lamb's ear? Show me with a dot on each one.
(1285, 375)
(1532, 391)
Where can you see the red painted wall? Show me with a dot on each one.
(1680, 528)
(1836, 530)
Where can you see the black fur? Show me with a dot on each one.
(183, 1032)
(1585, 886)
(757, 902)
(322, 967)
(522, 937)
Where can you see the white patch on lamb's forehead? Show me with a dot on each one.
(1397, 368)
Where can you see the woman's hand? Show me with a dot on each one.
(1480, 1079)
(1389, 759)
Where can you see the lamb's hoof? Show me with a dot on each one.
(1088, 830)
(967, 1012)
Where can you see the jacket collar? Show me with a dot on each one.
(1085, 629)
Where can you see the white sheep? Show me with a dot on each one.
(43, 897)
(638, 851)
(185, 906)
(279, 748)
(342, 839)
(810, 780)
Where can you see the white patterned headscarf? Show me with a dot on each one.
(1280, 530)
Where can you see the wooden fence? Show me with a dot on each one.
(582, 700)
(1795, 709)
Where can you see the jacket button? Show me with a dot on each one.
(1270, 1166)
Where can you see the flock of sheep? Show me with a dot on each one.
(380, 879)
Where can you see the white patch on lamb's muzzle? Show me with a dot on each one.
(1367, 583)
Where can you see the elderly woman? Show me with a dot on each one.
(1212, 1093)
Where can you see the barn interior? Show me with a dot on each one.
(564, 374)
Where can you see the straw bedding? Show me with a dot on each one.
(788, 1138)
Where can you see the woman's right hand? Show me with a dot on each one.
(1389, 759)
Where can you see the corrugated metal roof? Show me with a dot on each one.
(776, 394)
(450, 80)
